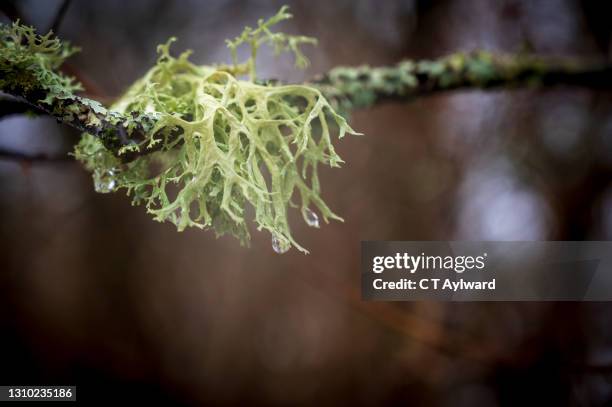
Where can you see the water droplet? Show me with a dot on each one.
(104, 181)
(280, 246)
(312, 219)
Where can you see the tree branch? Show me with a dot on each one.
(363, 87)
(89, 116)
(59, 16)
(10, 106)
(352, 88)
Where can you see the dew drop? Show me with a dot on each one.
(104, 181)
(280, 246)
(312, 219)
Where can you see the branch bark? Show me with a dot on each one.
(13, 106)
(88, 116)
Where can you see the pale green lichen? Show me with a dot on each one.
(29, 68)
(261, 35)
(223, 143)
(29, 63)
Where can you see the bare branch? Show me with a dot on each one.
(59, 16)
(10, 106)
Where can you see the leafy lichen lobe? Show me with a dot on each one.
(220, 143)
(29, 60)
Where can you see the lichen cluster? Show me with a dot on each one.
(221, 144)
(364, 86)
(29, 68)
(29, 62)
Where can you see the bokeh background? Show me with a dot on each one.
(94, 293)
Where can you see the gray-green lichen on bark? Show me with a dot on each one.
(29, 68)
(361, 87)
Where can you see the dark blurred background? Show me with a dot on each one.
(94, 293)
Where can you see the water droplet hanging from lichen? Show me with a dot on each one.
(312, 219)
(104, 181)
(280, 246)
